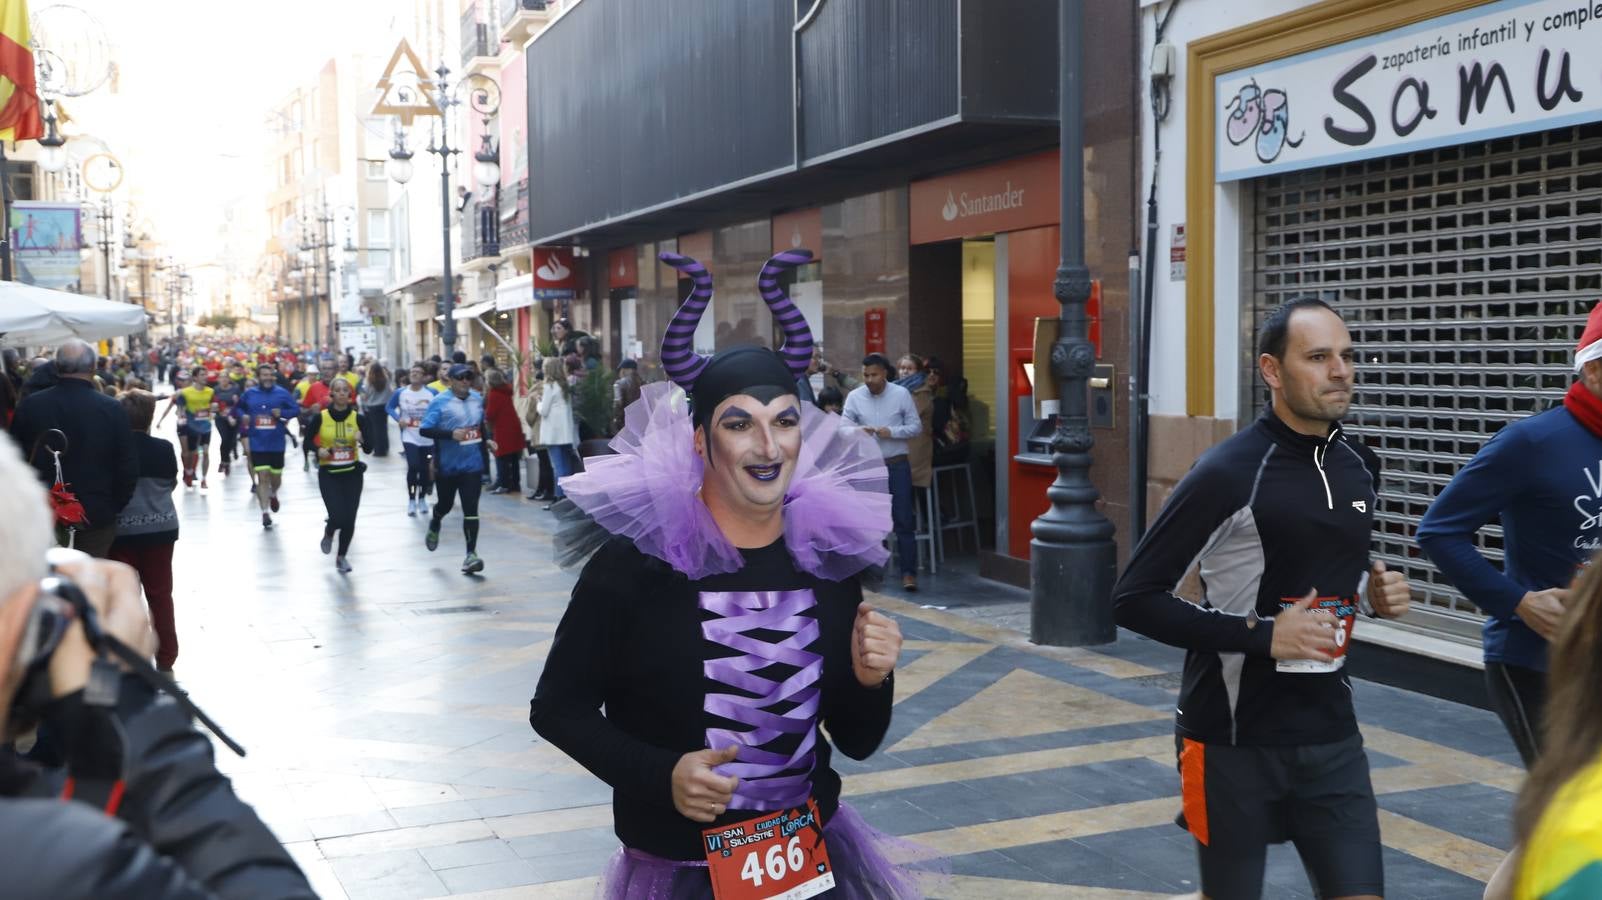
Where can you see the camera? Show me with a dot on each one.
(54, 610)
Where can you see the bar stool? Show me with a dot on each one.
(960, 477)
(927, 512)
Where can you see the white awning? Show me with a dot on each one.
(474, 311)
(515, 293)
(34, 316)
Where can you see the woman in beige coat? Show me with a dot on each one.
(920, 450)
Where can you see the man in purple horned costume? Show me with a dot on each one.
(721, 626)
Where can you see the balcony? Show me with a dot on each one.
(481, 46)
(514, 216)
(522, 19)
(482, 235)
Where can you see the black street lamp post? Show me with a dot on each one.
(1073, 560)
(105, 217)
(400, 169)
(485, 99)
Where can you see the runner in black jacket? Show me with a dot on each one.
(1277, 517)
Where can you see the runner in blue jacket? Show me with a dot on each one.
(265, 412)
(455, 421)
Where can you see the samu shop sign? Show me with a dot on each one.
(1495, 70)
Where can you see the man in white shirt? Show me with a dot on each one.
(885, 410)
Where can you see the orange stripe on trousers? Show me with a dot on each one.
(1193, 787)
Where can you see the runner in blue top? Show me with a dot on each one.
(455, 421)
(265, 412)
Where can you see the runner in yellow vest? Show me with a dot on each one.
(339, 467)
(194, 422)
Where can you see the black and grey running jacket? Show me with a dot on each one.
(1267, 515)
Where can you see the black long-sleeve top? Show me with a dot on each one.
(1266, 516)
(631, 642)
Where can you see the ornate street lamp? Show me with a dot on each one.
(485, 99)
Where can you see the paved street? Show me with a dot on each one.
(386, 718)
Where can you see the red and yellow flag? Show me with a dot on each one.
(19, 94)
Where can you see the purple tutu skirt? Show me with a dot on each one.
(859, 853)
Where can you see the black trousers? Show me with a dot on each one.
(1518, 695)
(228, 439)
(509, 471)
(342, 497)
(377, 429)
(547, 486)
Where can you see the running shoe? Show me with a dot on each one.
(432, 540)
(266, 521)
(342, 565)
(422, 506)
(472, 565)
(272, 502)
(189, 479)
(327, 544)
(203, 485)
(411, 507)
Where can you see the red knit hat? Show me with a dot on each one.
(1590, 346)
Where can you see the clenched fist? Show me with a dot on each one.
(1388, 592)
(699, 793)
(875, 646)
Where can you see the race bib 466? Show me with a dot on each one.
(774, 856)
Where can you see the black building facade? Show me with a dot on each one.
(729, 129)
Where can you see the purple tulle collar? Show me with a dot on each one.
(836, 514)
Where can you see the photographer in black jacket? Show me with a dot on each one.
(140, 810)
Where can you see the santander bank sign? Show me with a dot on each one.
(962, 205)
(1007, 196)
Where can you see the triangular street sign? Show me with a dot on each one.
(412, 95)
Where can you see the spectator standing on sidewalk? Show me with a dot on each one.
(625, 390)
(545, 489)
(147, 528)
(505, 428)
(886, 411)
(920, 448)
(376, 391)
(557, 431)
(101, 463)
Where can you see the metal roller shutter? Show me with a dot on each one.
(1465, 274)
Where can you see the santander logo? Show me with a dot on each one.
(554, 270)
(961, 206)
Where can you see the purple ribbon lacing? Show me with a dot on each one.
(762, 787)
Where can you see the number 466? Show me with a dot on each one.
(780, 861)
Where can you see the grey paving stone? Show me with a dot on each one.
(434, 813)
(1474, 811)
(391, 875)
(470, 853)
(489, 876)
(590, 840)
(358, 823)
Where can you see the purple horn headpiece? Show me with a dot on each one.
(679, 358)
(797, 349)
